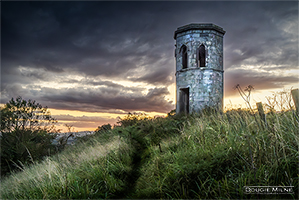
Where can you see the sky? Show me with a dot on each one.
(92, 62)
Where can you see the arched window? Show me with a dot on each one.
(202, 55)
(183, 52)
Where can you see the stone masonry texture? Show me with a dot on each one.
(205, 84)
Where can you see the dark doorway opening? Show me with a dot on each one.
(184, 100)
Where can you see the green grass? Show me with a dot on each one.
(215, 158)
(91, 170)
(207, 156)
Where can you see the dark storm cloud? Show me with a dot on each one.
(117, 39)
(96, 38)
(268, 35)
(105, 99)
(93, 82)
(157, 76)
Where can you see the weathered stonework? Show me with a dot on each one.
(199, 67)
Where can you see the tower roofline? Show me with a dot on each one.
(193, 26)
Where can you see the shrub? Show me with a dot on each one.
(23, 147)
(26, 135)
(132, 118)
(105, 127)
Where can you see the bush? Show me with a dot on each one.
(23, 147)
(105, 127)
(132, 118)
(25, 134)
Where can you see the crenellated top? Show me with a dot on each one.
(198, 27)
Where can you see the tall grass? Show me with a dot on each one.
(93, 171)
(207, 156)
(217, 155)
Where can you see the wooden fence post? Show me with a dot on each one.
(260, 108)
(295, 95)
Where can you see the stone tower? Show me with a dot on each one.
(199, 67)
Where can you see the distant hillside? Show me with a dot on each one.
(74, 136)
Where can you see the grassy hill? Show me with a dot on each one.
(212, 155)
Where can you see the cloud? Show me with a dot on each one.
(75, 55)
(80, 118)
(269, 41)
(84, 121)
(80, 40)
(259, 80)
(103, 99)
